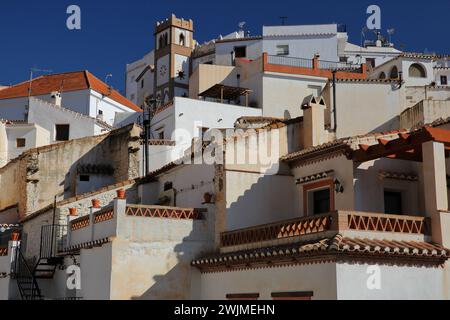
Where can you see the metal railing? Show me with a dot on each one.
(341, 66)
(53, 240)
(290, 61)
(26, 281)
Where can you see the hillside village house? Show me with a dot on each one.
(325, 172)
(79, 91)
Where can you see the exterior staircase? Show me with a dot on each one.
(49, 258)
(26, 281)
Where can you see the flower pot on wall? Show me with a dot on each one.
(15, 236)
(207, 197)
(95, 203)
(73, 212)
(121, 193)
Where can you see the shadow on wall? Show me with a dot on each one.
(266, 199)
(178, 282)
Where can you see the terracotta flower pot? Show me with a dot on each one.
(95, 203)
(207, 197)
(15, 236)
(73, 212)
(121, 193)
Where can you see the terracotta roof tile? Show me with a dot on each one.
(327, 249)
(69, 81)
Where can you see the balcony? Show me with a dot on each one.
(130, 221)
(425, 112)
(312, 67)
(358, 224)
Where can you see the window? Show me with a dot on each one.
(292, 295)
(444, 80)
(417, 71)
(100, 112)
(382, 76)
(84, 178)
(318, 197)
(242, 296)
(321, 201)
(392, 202)
(142, 83)
(182, 40)
(62, 132)
(20, 142)
(283, 50)
(168, 186)
(343, 59)
(240, 52)
(394, 73)
(370, 62)
(161, 135)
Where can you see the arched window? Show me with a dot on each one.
(182, 40)
(166, 39)
(160, 42)
(394, 73)
(382, 75)
(417, 71)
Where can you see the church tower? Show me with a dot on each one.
(173, 46)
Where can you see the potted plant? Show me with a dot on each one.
(121, 193)
(95, 203)
(15, 236)
(73, 212)
(207, 198)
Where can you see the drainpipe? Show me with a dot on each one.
(334, 101)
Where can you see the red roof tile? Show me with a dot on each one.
(69, 81)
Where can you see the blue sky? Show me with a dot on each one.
(116, 32)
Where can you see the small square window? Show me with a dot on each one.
(444, 80)
(20, 142)
(100, 112)
(62, 132)
(84, 178)
(283, 50)
(240, 52)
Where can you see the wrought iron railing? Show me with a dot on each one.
(53, 240)
(26, 281)
(290, 61)
(332, 65)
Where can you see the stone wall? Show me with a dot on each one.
(35, 178)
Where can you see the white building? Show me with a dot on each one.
(47, 124)
(80, 91)
(133, 85)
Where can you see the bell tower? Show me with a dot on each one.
(173, 47)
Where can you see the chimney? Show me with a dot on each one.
(314, 133)
(56, 98)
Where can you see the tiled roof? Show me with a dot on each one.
(69, 81)
(342, 144)
(337, 248)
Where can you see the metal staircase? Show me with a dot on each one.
(26, 281)
(52, 243)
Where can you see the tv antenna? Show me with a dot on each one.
(283, 20)
(241, 25)
(390, 32)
